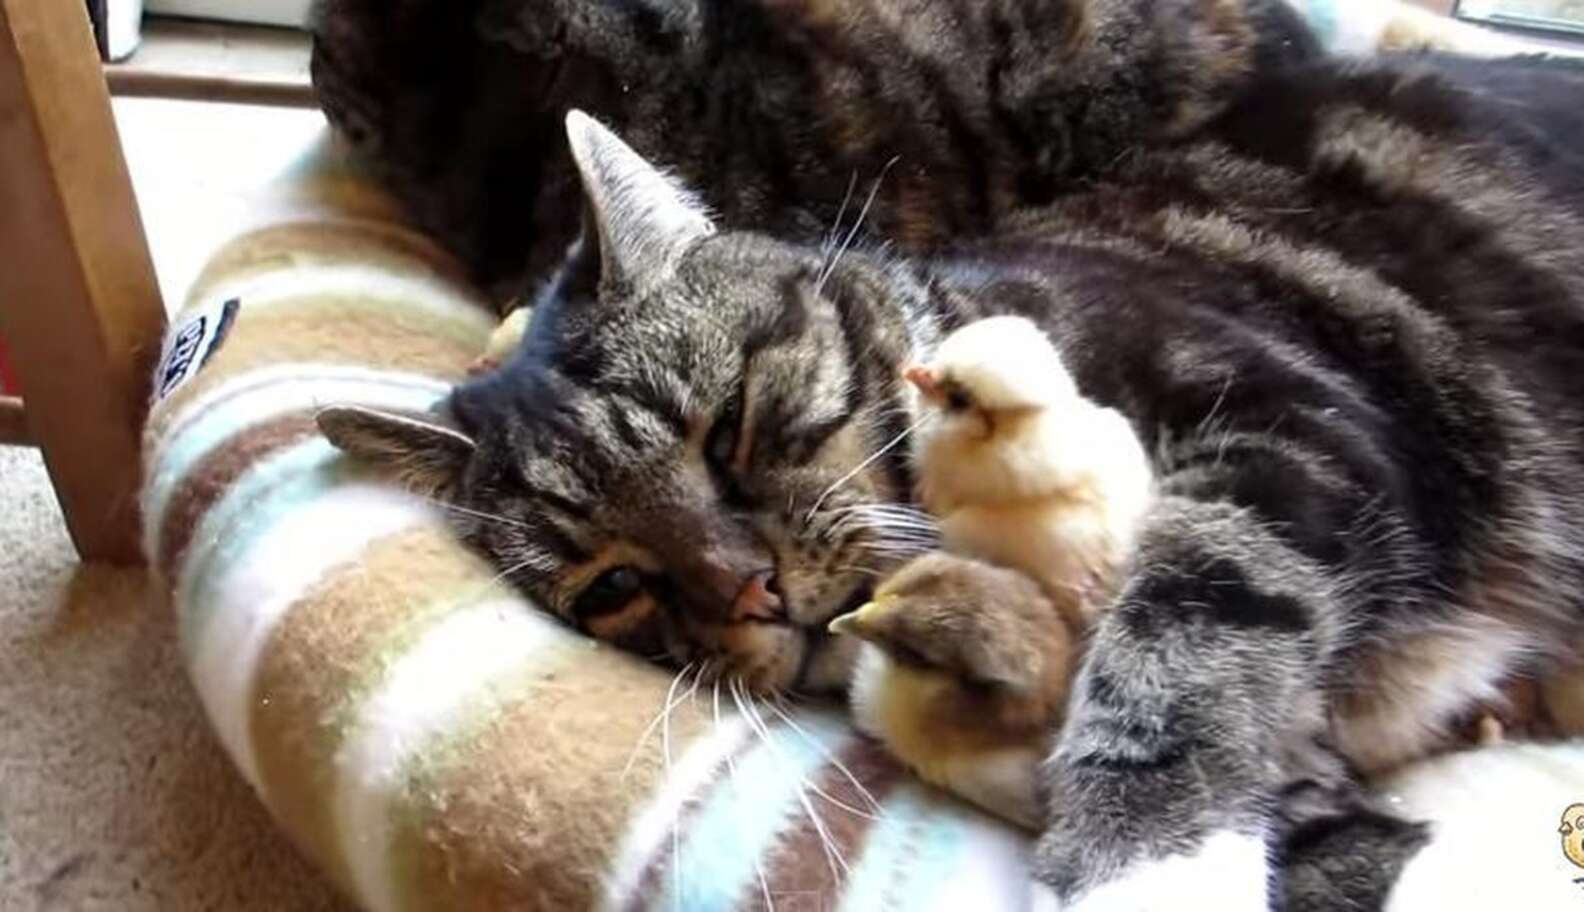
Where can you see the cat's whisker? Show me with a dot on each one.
(899, 519)
(1215, 407)
(857, 224)
(891, 509)
(884, 536)
(832, 849)
(825, 754)
(890, 505)
(894, 554)
(903, 545)
(908, 528)
(901, 525)
(833, 856)
(477, 514)
(485, 586)
(830, 758)
(901, 529)
(520, 565)
(907, 540)
(896, 547)
(871, 460)
(835, 230)
(838, 527)
(664, 713)
(705, 669)
(731, 774)
(676, 813)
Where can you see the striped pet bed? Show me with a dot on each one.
(422, 732)
(433, 743)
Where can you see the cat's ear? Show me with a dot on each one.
(642, 219)
(579, 275)
(424, 453)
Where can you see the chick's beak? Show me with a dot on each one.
(927, 380)
(854, 623)
(846, 625)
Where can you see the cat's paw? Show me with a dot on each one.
(1228, 872)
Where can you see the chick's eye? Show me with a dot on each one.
(611, 591)
(957, 400)
(907, 655)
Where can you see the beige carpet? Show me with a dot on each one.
(113, 793)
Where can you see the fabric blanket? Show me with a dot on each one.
(435, 743)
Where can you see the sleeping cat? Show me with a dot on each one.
(1345, 306)
(776, 111)
(1367, 475)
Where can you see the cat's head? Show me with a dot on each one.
(681, 458)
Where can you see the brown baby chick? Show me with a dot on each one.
(1020, 469)
(963, 675)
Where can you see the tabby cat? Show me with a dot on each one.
(1343, 303)
(776, 111)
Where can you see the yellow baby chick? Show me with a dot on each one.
(1572, 832)
(1021, 470)
(963, 675)
(502, 342)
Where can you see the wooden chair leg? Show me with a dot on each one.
(79, 305)
(13, 422)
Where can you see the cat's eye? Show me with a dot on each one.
(611, 591)
(721, 447)
(721, 444)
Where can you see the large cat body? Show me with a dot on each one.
(1344, 307)
(776, 112)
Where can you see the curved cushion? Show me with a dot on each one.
(422, 732)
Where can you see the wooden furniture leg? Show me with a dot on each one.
(79, 305)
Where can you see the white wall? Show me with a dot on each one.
(272, 12)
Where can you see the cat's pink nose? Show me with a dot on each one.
(759, 599)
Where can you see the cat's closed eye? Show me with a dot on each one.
(609, 593)
(724, 450)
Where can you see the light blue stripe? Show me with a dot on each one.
(259, 404)
(1322, 16)
(728, 839)
(909, 852)
(257, 500)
